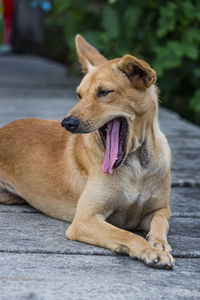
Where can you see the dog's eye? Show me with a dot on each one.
(102, 93)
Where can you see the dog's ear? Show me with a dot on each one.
(140, 73)
(88, 56)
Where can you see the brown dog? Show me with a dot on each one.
(115, 177)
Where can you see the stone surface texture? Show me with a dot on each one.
(38, 263)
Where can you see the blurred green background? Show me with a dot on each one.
(164, 33)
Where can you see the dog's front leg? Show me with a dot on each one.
(157, 226)
(89, 226)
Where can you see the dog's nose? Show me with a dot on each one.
(71, 123)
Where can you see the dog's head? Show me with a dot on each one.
(116, 97)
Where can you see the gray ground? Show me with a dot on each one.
(37, 262)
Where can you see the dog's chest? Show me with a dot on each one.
(134, 196)
(130, 206)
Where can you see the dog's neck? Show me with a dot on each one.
(144, 146)
(143, 155)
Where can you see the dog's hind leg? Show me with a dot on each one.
(9, 198)
(8, 193)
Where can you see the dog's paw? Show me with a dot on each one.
(159, 243)
(158, 259)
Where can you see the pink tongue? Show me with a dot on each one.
(112, 144)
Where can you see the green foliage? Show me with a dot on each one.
(164, 33)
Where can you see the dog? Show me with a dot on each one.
(105, 168)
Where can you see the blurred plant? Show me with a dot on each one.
(165, 33)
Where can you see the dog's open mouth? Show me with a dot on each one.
(113, 135)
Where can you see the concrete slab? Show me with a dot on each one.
(178, 128)
(185, 167)
(185, 202)
(28, 69)
(41, 105)
(37, 92)
(55, 277)
(37, 233)
(183, 144)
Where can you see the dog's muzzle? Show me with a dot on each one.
(71, 123)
